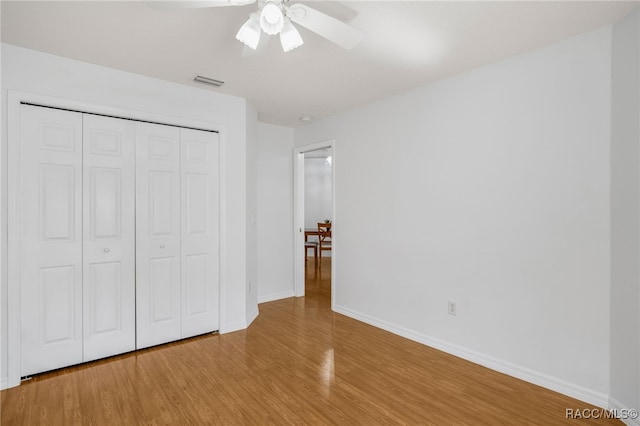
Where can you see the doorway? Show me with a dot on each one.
(316, 163)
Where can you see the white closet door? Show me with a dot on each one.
(199, 248)
(51, 244)
(109, 236)
(157, 234)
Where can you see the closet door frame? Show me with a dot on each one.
(14, 101)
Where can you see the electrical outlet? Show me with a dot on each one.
(452, 307)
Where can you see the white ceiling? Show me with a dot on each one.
(407, 44)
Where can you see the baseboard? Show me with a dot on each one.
(239, 325)
(6, 383)
(275, 296)
(252, 316)
(575, 391)
(624, 413)
(232, 326)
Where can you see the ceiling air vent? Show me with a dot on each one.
(207, 80)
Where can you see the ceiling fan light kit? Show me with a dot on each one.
(249, 33)
(277, 17)
(271, 19)
(289, 36)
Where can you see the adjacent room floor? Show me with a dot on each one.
(298, 363)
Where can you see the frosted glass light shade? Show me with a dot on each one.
(328, 161)
(289, 36)
(249, 33)
(271, 19)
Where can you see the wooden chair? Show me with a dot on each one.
(324, 239)
(313, 245)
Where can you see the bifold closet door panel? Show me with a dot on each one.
(157, 234)
(200, 218)
(119, 236)
(50, 244)
(109, 236)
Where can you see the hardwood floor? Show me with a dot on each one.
(299, 363)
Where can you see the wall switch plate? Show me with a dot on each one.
(452, 307)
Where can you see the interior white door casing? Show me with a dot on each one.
(158, 292)
(200, 231)
(50, 181)
(108, 236)
(298, 208)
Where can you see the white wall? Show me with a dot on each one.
(3, 247)
(490, 189)
(625, 212)
(30, 71)
(274, 212)
(318, 192)
(252, 234)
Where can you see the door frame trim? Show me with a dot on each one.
(298, 217)
(14, 101)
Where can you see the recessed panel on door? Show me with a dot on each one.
(57, 299)
(162, 271)
(158, 234)
(105, 293)
(162, 199)
(109, 236)
(200, 233)
(197, 284)
(196, 203)
(105, 209)
(57, 203)
(50, 246)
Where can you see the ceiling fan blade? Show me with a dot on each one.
(194, 4)
(332, 29)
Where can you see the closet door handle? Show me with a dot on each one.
(107, 250)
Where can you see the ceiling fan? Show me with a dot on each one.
(277, 17)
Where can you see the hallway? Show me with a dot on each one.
(318, 283)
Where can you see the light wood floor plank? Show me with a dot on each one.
(299, 363)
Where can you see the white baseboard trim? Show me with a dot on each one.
(252, 316)
(6, 383)
(575, 391)
(232, 326)
(275, 296)
(239, 325)
(624, 413)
